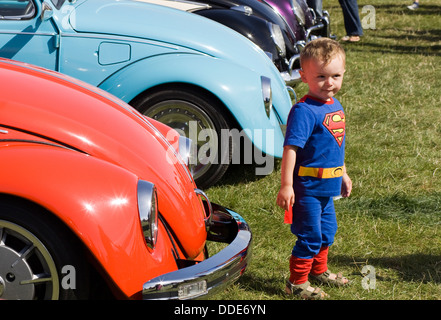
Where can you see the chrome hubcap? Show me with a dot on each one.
(14, 270)
(27, 270)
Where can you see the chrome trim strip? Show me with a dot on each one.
(219, 271)
(122, 38)
(29, 33)
(52, 144)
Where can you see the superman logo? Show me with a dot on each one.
(335, 123)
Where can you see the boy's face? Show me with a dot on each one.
(324, 81)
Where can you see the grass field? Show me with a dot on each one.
(391, 223)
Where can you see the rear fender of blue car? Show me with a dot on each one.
(238, 89)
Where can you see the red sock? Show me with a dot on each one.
(320, 263)
(299, 269)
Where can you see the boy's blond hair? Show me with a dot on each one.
(323, 49)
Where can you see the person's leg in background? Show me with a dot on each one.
(352, 21)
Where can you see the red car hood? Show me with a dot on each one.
(102, 126)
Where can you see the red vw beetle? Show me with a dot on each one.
(93, 192)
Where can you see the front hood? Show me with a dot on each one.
(187, 31)
(84, 118)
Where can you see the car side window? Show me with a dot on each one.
(16, 9)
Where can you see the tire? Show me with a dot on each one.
(39, 260)
(198, 117)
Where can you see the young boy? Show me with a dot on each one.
(313, 169)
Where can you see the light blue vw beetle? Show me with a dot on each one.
(195, 75)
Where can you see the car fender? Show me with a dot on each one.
(237, 87)
(253, 28)
(98, 202)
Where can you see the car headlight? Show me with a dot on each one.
(148, 211)
(298, 12)
(277, 36)
(267, 95)
(187, 152)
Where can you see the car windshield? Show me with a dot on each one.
(16, 10)
(58, 3)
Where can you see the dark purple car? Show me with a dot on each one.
(302, 20)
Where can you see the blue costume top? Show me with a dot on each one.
(317, 128)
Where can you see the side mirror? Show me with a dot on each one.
(46, 11)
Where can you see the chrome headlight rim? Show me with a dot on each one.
(148, 211)
(298, 12)
(277, 36)
(267, 95)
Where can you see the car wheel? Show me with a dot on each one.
(200, 118)
(38, 260)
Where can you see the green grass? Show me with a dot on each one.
(391, 94)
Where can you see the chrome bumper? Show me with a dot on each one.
(291, 76)
(217, 272)
(323, 26)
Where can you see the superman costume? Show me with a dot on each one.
(317, 128)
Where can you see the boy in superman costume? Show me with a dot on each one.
(313, 171)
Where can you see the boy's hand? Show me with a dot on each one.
(285, 197)
(346, 186)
